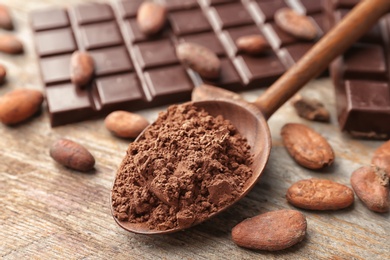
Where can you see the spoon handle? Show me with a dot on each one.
(334, 43)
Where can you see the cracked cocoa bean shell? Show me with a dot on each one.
(371, 185)
(381, 157)
(310, 109)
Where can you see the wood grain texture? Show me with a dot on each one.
(49, 212)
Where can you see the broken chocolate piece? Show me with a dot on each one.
(310, 109)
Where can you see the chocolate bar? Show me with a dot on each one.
(127, 76)
(134, 71)
(361, 78)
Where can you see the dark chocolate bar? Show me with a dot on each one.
(361, 78)
(134, 71)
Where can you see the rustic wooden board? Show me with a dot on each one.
(49, 212)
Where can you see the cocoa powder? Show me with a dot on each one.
(185, 166)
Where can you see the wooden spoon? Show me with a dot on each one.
(250, 119)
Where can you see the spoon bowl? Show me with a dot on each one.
(250, 118)
(251, 124)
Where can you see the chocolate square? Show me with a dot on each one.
(173, 5)
(169, 83)
(55, 42)
(189, 22)
(267, 9)
(49, 19)
(232, 15)
(100, 35)
(111, 60)
(55, 69)
(122, 91)
(67, 104)
(208, 39)
(155, 54)
(129, 8)
(92, 13)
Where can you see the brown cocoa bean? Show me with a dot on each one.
(320, 194)
(271, 231)
(19, 105)
(306, 146)
(151, 17)
(125, 124)
(299, 26)
(381, 157)
(310, 109)
(5, 18)
(3, 73)
(252, 44)
(208, 92)
(72, 155)
(81, 68)
(200, 59)
(10, 44)
(371, 185)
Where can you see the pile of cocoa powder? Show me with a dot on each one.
(186, 166)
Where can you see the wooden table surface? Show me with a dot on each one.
(50, 212)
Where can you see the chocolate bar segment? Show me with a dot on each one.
(289, 48)
(361, 79)
(232, 15)
(54, 42)
(173, 5)
(131, 73)
(49, 19)
(145, 68)
(111, 60)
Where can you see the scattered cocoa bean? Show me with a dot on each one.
(151, 17)
(10, 44)
(320, 194)
(125, 124)
(252, 44)
(72, 155)
(271, 231)
(19, 105)
(299, 26)
(381, 157)
(3, 73)
(200, 59)
(371, 185)
(307, 147)
(82, 68)
(5, 18)
(310, 109)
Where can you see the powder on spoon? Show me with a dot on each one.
(187, 165)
